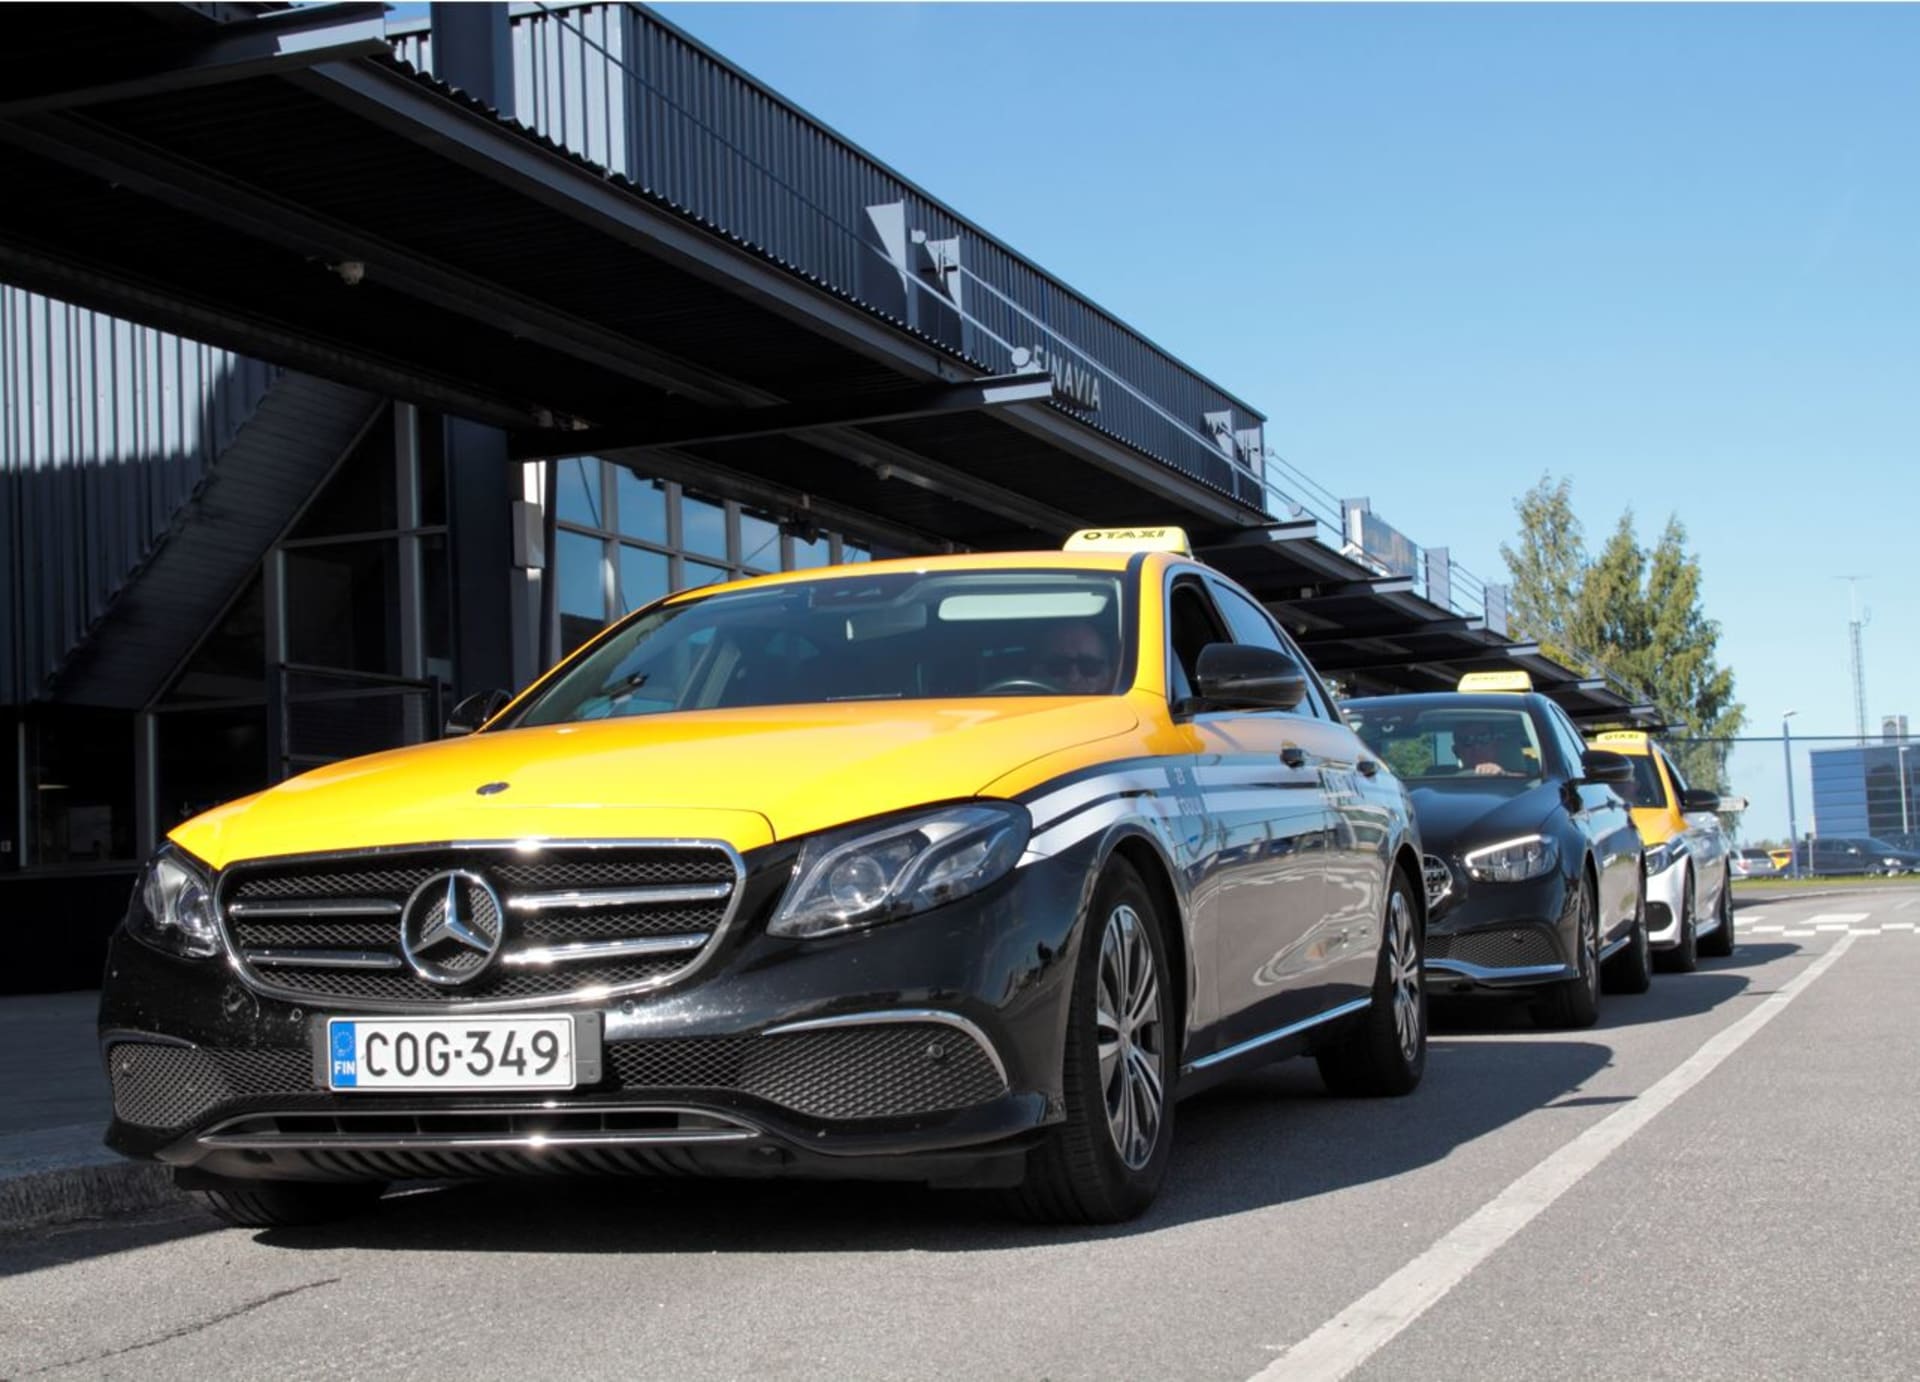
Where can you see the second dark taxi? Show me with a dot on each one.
(1533, 867)
(956, 870)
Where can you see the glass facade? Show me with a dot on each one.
(624, 540)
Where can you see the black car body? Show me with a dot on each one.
(898, 964)
(1533, 865)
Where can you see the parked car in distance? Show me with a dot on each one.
(1835, 856)
(1689, 906)
(1532, 864)
(1782, 859)
(1754, 863)
(957, 870)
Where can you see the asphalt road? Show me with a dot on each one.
(1717, 1181)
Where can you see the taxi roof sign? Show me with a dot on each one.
(1495, 681)
(1622, 736)
(1164, 539)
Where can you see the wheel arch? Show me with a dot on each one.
(1148, 857)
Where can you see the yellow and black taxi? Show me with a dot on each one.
(956, 870)
(1532, 866)
(1689, 858)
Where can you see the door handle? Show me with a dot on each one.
(1293, 756)
(1368, 766)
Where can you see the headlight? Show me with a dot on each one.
(1658, 857)
(172, 907)
(1513, 861)
(881, 871)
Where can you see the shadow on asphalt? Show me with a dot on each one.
(1271, 1137)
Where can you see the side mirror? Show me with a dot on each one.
(475, 710)
(1695, 799)
(1238, 676)
(1603, 765)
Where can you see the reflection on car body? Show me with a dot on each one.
(1532, 867)
(952, 869)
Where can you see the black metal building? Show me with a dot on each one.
(349, 366)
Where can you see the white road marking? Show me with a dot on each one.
(1796, 932)
(1864, 931)
(1898, 925)
(1908, 903)
(1835, 921)
(1764, 930)
(1347, 1340)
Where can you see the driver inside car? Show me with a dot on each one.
(1491, 748)
(1074, 657)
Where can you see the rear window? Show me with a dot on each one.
(1646, 788)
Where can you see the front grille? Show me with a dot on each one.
(1438, 879)
(157, 1086)
(1508, 949)
(342, 916)
(880, 1071)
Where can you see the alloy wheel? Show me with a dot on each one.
(1590, 940)
(1403, 973)
(1130, 1037)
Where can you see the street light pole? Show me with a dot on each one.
(1793, 824)
(1906, 826)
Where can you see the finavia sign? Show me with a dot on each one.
(1074, 384)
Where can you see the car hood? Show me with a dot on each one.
(1458, 816)
(748, 776)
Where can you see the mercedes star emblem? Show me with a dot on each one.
(451, 928)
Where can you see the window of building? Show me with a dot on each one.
(79, 795)
(654, 538)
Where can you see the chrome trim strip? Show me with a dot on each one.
(893, 1017)
(1281, 1034)
(322, 959)
(579, 899)
(418, 1142)
(591, 994)
(1485, 972)
(736, 1129)
(318, 907)
(540, 956)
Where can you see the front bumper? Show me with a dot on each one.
(925, 1049)
(1666, 904)
(1498, 937)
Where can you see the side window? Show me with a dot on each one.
(1254, 625)
(1191, 625)
(1572, 746)
(1673, 775)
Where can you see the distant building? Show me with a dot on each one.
(1869, 789)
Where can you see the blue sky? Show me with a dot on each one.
(1671, 252)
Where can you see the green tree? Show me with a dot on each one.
(1547, 566)
(1638, 614)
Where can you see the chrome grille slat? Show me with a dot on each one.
(532, 957)
(595, 918)
(581, 899)
(323, 959)
(317, 907)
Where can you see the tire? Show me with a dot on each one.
(1631, 971)
(1684, 958)
(1104, 1163)
(1575, 1002)
(281, 1203)
(1719, 943)
(1385, 1054)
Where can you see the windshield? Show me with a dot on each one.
(1451, 742)
(894, 635)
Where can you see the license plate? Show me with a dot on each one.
(451, 1053)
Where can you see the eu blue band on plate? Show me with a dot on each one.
(341, 1054)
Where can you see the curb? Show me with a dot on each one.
(58, 1175)
(84, 1192)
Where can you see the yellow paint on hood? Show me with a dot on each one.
(747, 776)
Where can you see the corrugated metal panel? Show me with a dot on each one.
(106, 430)
(620, 86)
